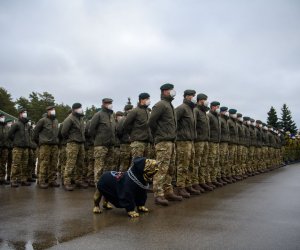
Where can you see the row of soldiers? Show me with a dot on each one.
(198, 146)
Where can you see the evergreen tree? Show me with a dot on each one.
(272, 119)
(286, 121)
(62, 111)
(89, 112)
(6, 103)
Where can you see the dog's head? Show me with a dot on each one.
(144, 169)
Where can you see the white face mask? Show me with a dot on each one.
(24, 114)
(52, 112)
(248, 122)
(79, 111)
(260, 125)
(29, 123)
(206, 103)
(2, 119)
(218, 111)
(9, 124)
(172, 93)
(194, 100)
(110, 106)
(227, 113)
(33, 126)
(240, 119)
(233, 116)
(253, 123)
(148, 102)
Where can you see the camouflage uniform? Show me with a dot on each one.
(73, 131)
(201, 174)
(163, 125)
(232, 146)
(4, 151)
(46, 134)
(224, 153)
(215, 136)
(19, 134)
(103, 130)
(185, 151)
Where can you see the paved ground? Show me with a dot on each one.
(262, 212)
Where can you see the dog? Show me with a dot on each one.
(126, 189)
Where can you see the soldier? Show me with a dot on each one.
(103, 129)
(125, 150)
(251, 151)
(31, 154)
(265, 147)
(46, 135)
(214, 143)
(62, 155)
(136, 125)
(117, 150)
(225, 138)
(247, 141)
(9, 146)
(89, 155)
(3, 149)
(163, 127)
(258, 149)
(232, 146)
(185, 150)
(19, 134)
(201, 143)
(73, 132)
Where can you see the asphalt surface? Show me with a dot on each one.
(261, 212)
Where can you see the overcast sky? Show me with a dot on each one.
(245, 54)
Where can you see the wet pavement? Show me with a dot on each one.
(261, 212)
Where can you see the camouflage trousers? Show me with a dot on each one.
(251, 152)
(103, 160)
(245, 164)
(19, 169)
(139, 149)
(223, 162)
(165, 156)
(90, 163)
(48, 156)
(151, 151)
(32, 161)
(116, 160)
(232, 160)
(125, 157)
(62, 159)
(3, 161)
(74, 162)
(185, 156)
(213, 160)
(258, 158)
(201, 172)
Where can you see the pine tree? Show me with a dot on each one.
(286, 121)
(272, 118)
(6, 103)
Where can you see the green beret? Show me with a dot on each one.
(107, 100)
(166, 86)
(232, 111)
(258, 121)
(128, 107)
(50, 107)
(143, 96)
(246, 118)
(21, 110)
(119, 113)
(214, 103)
(201, 96)
(223, 109)
(76, 105)
(239, 115)
(252, 120)
(189, 92)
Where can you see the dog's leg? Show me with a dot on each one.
(143, 209)
(97, 199)
(106, 205)
(133, 214)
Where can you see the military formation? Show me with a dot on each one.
(198, 145)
